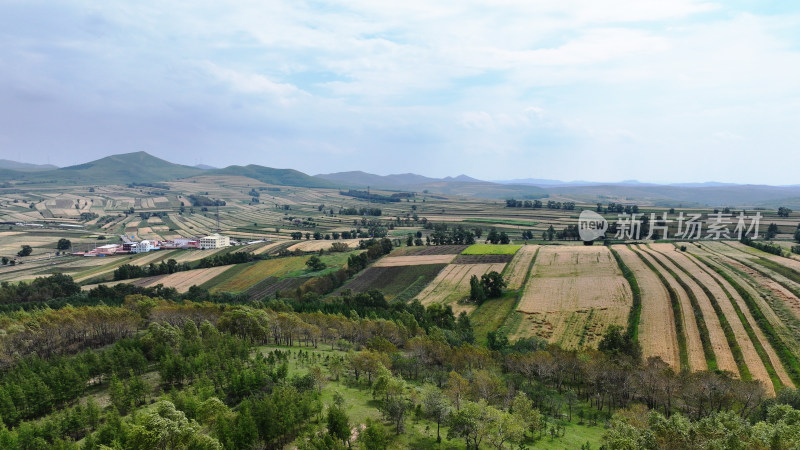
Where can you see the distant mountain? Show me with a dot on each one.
(138, 167)
(358, 178)
(204, 167)
(283, 177)
(463, 178)
(460, 185)
(544, 182)
(14, 165)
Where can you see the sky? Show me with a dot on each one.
(653, 90)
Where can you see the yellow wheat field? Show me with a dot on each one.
(517, 269)
(657, 333)
(573, 294)
(323, 244)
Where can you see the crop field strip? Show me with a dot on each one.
(770, 273)
(399, 283)
(720, 345)
(412, 260)
(717, 286)
(772, 307)
(750, 355)
(657, 333)
(517, 270)
(781, 336)
(687, 326)
(429, 250)
(572, 295)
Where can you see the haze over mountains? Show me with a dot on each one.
(141, 167)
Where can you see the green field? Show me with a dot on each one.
(491, 249)
(521, 223)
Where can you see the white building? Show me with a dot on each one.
(142, 247)
(215, 241)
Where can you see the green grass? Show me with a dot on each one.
(491, 249)
(492, 314)
(522, 223)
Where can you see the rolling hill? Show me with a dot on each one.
(15, 165)
(283, 177)
(137, 167)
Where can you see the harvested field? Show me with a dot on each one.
(657, 333)
(716, 334)
(573, 294)
(483, 259)
(395, 280)
(451, 285)
(429, 250)
(181, 281)
(413, 260)
(517, 269)
(491, 249)
(315, 246)
(721, 291)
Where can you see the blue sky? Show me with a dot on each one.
(664, 90)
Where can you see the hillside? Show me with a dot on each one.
(283, 177)
(15, 165)
(138, 167)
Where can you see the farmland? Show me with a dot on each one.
(574, 293)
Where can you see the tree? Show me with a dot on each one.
(373, 436)
(63, 244)
(435, 405)
(315, 264)
(471, 422)
(457, 388)
(496, 340)
(476, 292)
(338, 423)
(784, 212)
(615, 342)
(26, 250)
(772, 231)
(493, 284)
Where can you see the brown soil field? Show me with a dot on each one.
(483, 259)
(430, 250)
(715, 283)
(518, 268)
(413, 260)
(657, 333)
(570, 287)
(269, 286)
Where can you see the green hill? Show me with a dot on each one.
(138, 167)
(283, 177)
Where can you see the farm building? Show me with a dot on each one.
(215, 241)
(142, 247)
